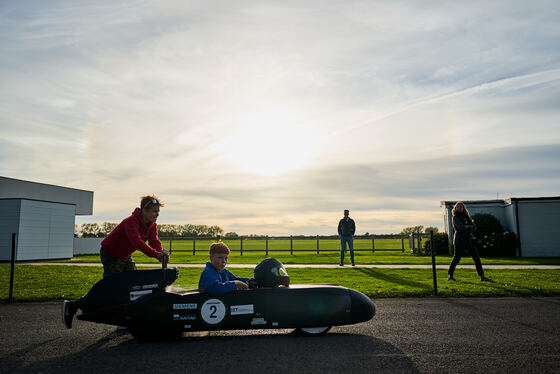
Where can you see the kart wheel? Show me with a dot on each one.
(313, 331)
(154, 335)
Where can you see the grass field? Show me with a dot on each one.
(42, 283)
(361, 257)
(255, 250)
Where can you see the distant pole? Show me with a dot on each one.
(291, 244)
(433, 260)
(372, 244)
(241, 244)
(317, 244)
(164, 270)
(10, 297)
(267, 246)
(194, 246)
(170, 244)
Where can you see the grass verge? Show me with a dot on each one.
(43, 283)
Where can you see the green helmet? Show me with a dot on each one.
(271, 273)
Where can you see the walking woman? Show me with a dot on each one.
(463, 226)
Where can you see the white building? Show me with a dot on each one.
(42, 216)
(533, 219)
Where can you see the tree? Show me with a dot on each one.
(486, 225)
(431, 228)
(106, 228)
(232, 235)
(412, 230)
(89, 230)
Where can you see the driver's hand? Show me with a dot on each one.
(252, 283)
(241, 285)
(163, 254)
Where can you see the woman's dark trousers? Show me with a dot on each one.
(460, 253)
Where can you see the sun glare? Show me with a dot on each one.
(269, 142)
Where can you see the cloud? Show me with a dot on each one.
(385, 107)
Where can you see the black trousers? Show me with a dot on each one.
(462, 252)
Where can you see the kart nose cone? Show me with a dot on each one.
(362, 307)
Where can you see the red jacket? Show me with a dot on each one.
(131, 234)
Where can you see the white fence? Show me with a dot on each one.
(87, 246)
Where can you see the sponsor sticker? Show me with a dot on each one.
(258, 321)
(184, 306)
(274, 324)
(213, 311)
(187, 326)
(184, 317)
(149, 286)
(136, 294)
(241, 309)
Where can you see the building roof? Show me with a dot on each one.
(19, 189)
(500, 201)
(473, 202)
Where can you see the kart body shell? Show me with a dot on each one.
(139, 301)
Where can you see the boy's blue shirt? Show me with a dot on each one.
(217, 282)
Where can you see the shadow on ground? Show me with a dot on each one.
(274, 351)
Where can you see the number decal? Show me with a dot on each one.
(213, 311)
(213, 308)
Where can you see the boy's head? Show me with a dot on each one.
(219, 254)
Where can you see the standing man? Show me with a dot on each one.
(117, 248)
(346, 230)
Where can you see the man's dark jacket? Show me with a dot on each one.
(346, 228)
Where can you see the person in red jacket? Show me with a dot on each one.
(117, 248)
(131, 235)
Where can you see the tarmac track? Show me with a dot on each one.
(410, 335)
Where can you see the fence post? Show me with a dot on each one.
(291, 245)
(170, 245)
(10, 296)
(402, 242)
(267, 246)
(241, 245)
(372, 244)
(194, 246)
(317, 244)
(433, 260)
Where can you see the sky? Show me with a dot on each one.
(272, 117)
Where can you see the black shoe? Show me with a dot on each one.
(484, 279)
(450, 278)
(353, 264)
(67, 314)
(341, 264)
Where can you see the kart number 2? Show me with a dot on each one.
(213, 311)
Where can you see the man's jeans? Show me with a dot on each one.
(343, 240)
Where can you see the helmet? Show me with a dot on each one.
(271, 273)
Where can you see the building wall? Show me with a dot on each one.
(86, 246)
(9, 223)
(538, 227)
(495, 208)
(44, 230)
(538, 219)
(509, 215)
